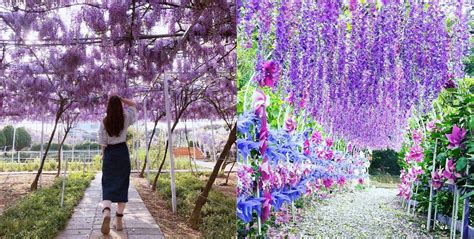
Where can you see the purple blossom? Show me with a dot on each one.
(449, 172)
(456, 137)
(271, 73)
(290, 124)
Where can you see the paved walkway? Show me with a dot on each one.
(87, 218)
(372, 213)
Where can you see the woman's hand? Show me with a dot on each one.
(127, 102)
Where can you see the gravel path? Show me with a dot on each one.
(372, 213)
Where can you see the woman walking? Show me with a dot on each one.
(116, 159)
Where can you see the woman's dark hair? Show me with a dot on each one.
(113, 122)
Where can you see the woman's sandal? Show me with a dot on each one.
(105, 221)
(118, 221)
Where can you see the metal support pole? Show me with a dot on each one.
(465, 213)
(13, 143)
(213, 142)
(194, 142)
(64, 179)
(170, 146)
(146, 144)
(430, 204)
(135, 149)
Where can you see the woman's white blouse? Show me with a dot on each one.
(130, 116)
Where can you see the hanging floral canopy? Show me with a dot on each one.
(360, 69)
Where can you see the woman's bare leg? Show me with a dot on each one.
(119, 215)
(121, 207)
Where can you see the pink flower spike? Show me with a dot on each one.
(260, 101)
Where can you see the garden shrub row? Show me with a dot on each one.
(39, 215)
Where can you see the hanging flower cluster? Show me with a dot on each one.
(358, 69)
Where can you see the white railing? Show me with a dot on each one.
(70, 155)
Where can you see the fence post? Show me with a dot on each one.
(13, 143)
(170, 145)
(430, 204)
(465, 213)
(64, 181)
(146, 143)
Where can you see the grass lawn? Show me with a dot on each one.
(38, 214)
(385, 180)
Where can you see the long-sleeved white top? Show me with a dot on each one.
(130, 116)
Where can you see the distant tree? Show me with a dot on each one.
(8, 132)
(22, 139)
(3, 140)
(384, 161)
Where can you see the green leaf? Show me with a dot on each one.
(466, 195)
(461, 164)
(441, 156)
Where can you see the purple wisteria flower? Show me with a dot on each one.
(456, 137)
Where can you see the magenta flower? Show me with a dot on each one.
(266, 206)
(260, 101)
(290, 124)
(449, 172)
(329, 154)
(316, 137)
(289, 99)
(416, 153)
(328, 182)
(416, 136)
(456, 137)
(265, 171)
(436, 179)
(263, 136)
(270, 71)
(306, 147)
(341, 181)
(360, 181)
(328, 142)
(431, 126)
(349, 147)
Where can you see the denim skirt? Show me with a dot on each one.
(116, 173)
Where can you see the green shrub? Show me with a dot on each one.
(39, 215)
(218, 214)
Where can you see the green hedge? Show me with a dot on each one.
(39, 215)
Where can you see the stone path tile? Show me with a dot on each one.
(87, 217)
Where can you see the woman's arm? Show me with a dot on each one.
(128, 102)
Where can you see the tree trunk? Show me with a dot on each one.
(228, 174)
(60, 111)
(202, 198)
(142, 173)
(189, 149)
(60, 150)
(155, 181)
